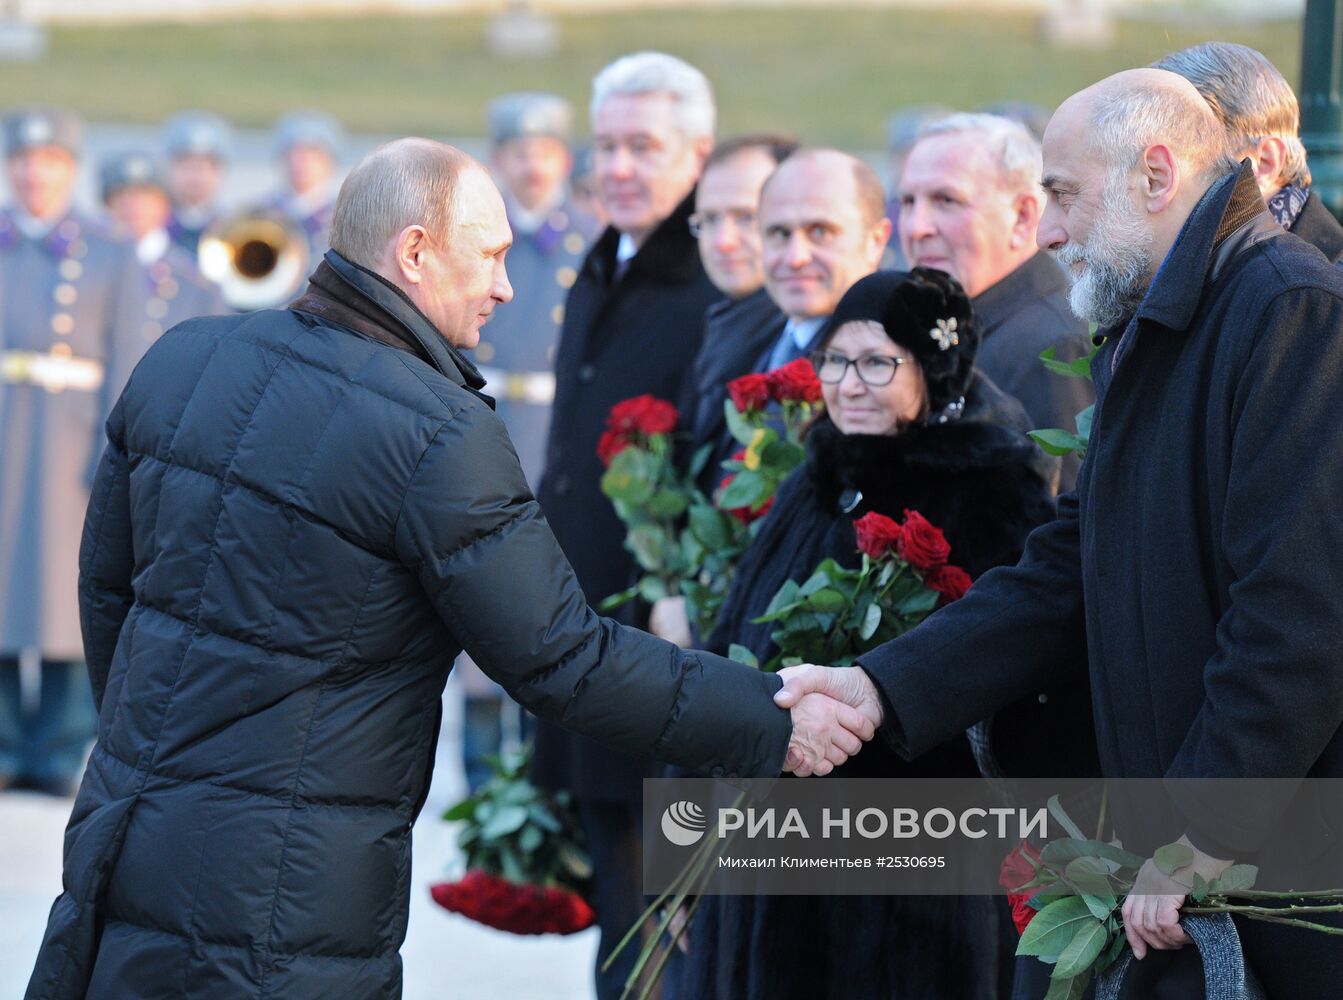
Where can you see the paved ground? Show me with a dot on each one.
(444, 955)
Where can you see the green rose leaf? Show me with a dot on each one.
(507, 819)
(652, 588)
(1053, 928)
(530, 839)
(1071, 988)
(1056, 441)
(1172, 857)
(741, 429)
(743, 655)
(1089, 875)
(1200, 889)
(871, 619)
(707, 524)
(747, 489)
(826, 601)
(1113, 952)
(1089, 941)
(666, 504)
(462, 810)
(1235, 879)
(1084, 422)
(1058, 852)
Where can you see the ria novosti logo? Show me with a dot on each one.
(683, 823)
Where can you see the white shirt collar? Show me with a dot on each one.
(625, 249)
(803, 330)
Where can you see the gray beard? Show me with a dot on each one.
(1118, 259)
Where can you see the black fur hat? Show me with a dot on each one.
(926, 312)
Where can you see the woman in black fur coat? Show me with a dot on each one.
(938, 438)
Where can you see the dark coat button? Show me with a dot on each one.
(587, 373)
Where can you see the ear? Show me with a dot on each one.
(408, 253)
(1025, 221)
(881, 235)
(1270, 154)
(703, 146)
(1161, 178)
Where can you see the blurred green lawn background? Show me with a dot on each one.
(830, 75)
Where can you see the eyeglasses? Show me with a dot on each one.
(873, 369)
(702, 223)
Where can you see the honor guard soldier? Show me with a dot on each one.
(62, 335)
(197, 145)
(171, 286)
(308, 145)
(530, 136)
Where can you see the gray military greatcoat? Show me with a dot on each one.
(63, 338)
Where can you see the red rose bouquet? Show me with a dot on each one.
(685, 543)
(525, 871)
(838, 613)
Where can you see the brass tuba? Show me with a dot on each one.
(257, 258)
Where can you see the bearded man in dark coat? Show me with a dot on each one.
(1194, 568)
(301, 518)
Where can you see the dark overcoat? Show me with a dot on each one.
(1196, 568)
(294, 530)
(1317, 226)
(979, 483)
(1020, 316)
(737, 334)
(621, 338)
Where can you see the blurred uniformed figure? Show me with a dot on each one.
(171, 287)
(308, 145)
(530, 153)
(197, 146)
(62, 338)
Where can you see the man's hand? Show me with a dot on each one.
(1152, 907)
(850, 685)
(669, 621)
(826, 733)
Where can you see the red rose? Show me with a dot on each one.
(1015, 872)
(643, 414)
(950, 581)
(611, 444)
(877, 535)
(1016, 869)
(921, 545)
(795, 382)
(1022, 912)
(747, 516)
(750, 392)
(518, 909)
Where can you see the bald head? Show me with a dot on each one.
(402, 183)
(845, 177)
(1126, 114)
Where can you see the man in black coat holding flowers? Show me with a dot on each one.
(1195, 566)
(632, 324)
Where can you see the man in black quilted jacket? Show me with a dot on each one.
(301, 518)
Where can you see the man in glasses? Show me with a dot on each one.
(740, 328)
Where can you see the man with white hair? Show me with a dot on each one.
(1261, 114)
(632, 324)
(970, 202)
(1195, 568)
(301, 518)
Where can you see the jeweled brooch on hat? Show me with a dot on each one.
(945, 334)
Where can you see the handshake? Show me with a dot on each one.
(835, 710)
